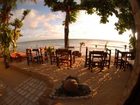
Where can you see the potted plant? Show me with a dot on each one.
(50, 49)
(106, 45)
(125, 46)
(132, 45)
(81, 44)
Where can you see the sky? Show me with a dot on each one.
(42, 23)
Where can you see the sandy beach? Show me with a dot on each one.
(107, 86)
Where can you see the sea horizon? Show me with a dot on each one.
(72, 39)
(59, 43)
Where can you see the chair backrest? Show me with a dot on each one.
(86, 57)
(28, 52)
(107, 57)
(97, 54)
(63, 52)
(37, 52)
(117, 57)
(116, 53)
(131, 55)
(108, 51)
(29, 55)
(63, 55)
(108, 54)
(96, 58)
(86, 52)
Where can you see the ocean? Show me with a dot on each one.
(59, 43)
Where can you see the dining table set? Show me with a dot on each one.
(124, 59)
(58, 56)
(101, 58)
(97, 58)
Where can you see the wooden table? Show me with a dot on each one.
(96, 59)
(126, 59)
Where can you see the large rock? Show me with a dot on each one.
(71, 86)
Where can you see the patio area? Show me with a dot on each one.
(107, 86)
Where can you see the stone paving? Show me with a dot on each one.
(27, 93)
(101, 83)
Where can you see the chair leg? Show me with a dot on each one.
(70, 63)
(58, 62)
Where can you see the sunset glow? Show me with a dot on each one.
(41, 23)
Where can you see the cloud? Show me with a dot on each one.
(46, 26)
(35, 19)
(39, 25)
(89, 27)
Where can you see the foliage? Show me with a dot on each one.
(125, 16)
(50, 49)
(106, 8)
(5, 38)
(103, 8)
(70, 7)
(58, 5)
(17, 24)
(132, 42)
(6, 32)
(12, 31)
(81, 44)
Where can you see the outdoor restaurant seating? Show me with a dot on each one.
(123, 59)
(57, 56)
(52, 56)
(34, 55)
(75, 54)
(107, 57)
(29, 56)
(63, 56)
(87, 57)
(98, 58)
(38, 57)
(118, 61)
(46, 55)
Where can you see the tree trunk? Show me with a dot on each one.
(132, 94)
(66, 39)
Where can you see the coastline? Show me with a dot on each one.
(59, 43)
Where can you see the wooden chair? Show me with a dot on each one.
(63, 56)
(87, 57)
(75, 54)
(52, 57)
(46, 55)
(41, 57)
(128, 61)
(29, 56)
(107, 57)
(117, 59)
(96, 59)
(120, 59)
(38, 58)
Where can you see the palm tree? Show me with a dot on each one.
(70, 7)
(6, 7)
(17, 24)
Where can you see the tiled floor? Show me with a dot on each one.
(27, 93)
